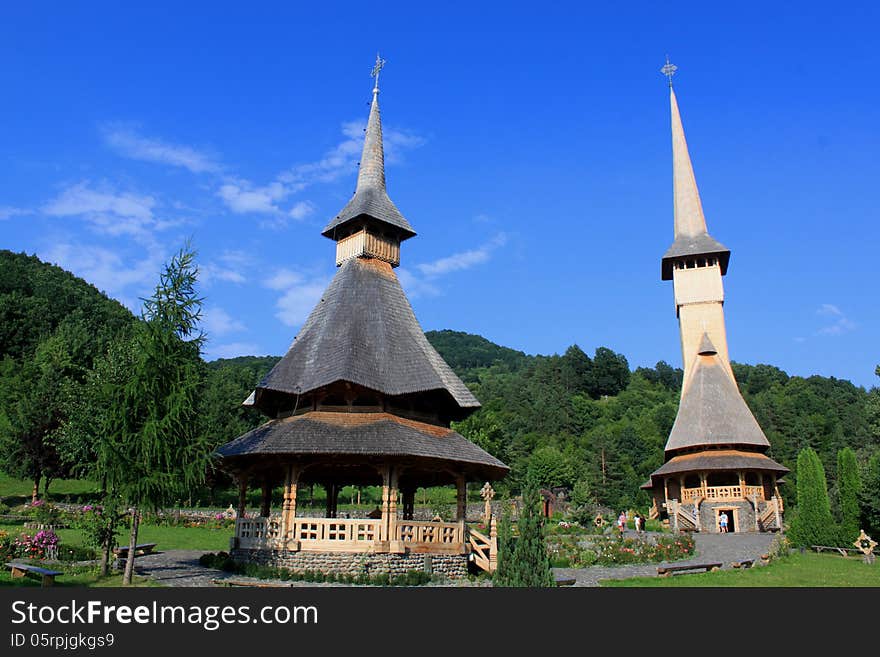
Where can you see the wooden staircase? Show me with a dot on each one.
(484, 549)
(770, 517)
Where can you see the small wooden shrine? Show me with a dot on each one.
(361, 398)
(716, 461)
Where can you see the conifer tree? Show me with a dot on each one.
(812, 524)
(502, 574)
(849, 488)
(154, 452)
(529, 562)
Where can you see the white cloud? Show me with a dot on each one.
(123, 278)
(217, 321)
(463, 260)
(415, 286)
(230, 350)
(128, 143)
(210, 272)
(301, 210)
(840, 323)
(7, 212)
(242, 197)
(111, 212)
(300, 295)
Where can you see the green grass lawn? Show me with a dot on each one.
(75, 577)
(17, 491)
(167, 538)
(794, 570)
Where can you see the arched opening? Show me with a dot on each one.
(722, 479)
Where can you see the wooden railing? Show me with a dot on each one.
(349, 535)
(332, 534)
(430, 536)
(722, 493)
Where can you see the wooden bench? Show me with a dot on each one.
(843, 551)
(565, 581)
(666, 571)
(21, 569)
(745, 563)
(139, 550)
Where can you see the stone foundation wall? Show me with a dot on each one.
(453, 566)
(709, 517)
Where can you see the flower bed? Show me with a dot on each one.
(612, 550)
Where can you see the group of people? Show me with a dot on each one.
(638, 522)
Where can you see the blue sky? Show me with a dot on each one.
(528, 146)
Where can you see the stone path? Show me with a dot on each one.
(182, 568)
(725, 548)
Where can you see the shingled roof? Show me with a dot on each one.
(364, 331)
(712, 410)
(362, 434)
(370, 197)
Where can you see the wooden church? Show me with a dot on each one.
(715, 457)
(361, 398)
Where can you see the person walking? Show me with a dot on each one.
(621, 522)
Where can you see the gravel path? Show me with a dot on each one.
(181, 567)
(725, 548)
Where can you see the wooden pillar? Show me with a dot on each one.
(242, 495)
(461, 498)
(386, 493)
(742, 484)
(409, 503)
(704, 484)
(392, 504)
(332, 495)
(288, 508)
(266, 502)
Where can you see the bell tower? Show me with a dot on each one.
(696, 261)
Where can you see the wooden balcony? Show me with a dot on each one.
(714, 493)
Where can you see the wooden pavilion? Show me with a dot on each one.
(361, 398)
(716, 461)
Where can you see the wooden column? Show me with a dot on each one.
(242, 495)
(266, 502)
(392, 505)
(742, 484)
(288, 508)
(409, 503)
(332, 495)
(461, 498)
(386, 493)
(704, 484)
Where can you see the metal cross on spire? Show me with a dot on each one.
(378, 66)
(669, 70)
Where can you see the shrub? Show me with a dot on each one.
(812, 523)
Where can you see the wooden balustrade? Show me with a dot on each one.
(721, 493)
(349, 535)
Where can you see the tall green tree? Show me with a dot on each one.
(871, 494)
(849, 490)
(529, 562)
(154, 452)
(812, 524)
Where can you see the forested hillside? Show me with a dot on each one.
(574, 418)
(53, 326)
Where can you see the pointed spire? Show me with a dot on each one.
(372, 169)
(691, 235)
(689, 219)
(370, 201)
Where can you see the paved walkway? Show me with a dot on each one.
(182, 568)
(725, 548)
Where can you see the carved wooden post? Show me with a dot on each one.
(386, 494)
(493, 545)
(742, 483)
(242, 495)
(288, 509)
(487, 493)
(392, 504)
(266, 502)
(704, 484)
(697, 515)
(332, 496)
(461, 498)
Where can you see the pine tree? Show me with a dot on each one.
(529, 562)
(154, 451)
(812, 524)
(849, 488)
